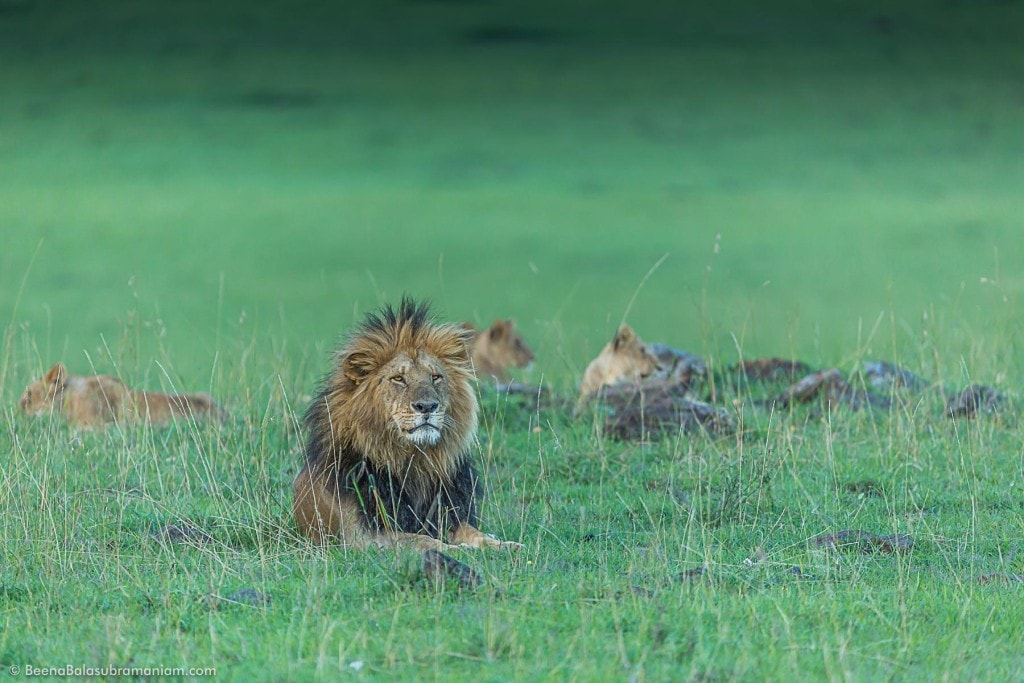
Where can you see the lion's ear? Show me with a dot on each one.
(357, 366)
(57, 375)
(623, 337)
(500, 329)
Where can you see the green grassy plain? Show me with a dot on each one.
(197, 196)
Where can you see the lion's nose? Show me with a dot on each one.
(425, 407)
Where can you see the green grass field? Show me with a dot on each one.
(208, 197)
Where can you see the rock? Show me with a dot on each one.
(439, 567)
(829, 385)
(677, 366)
(638, 412)
(772, 369)
(887, 377)
(975, 399)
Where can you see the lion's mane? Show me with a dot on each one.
(355, 450)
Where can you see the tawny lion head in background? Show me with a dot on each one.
(39, 396)
(499, 348)
(401, 388)
(624, 359)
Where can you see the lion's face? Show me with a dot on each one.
(414, 392)
(33, 400)
(38, 397)
(627, 359)
(500, 347)
(401, 396)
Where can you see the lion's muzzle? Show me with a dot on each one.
(422, 419)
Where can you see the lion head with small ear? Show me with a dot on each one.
(624, 359)
(499, 348)
(39, 397)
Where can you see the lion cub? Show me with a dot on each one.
(497, 349)
(624, 359)
(93, 401)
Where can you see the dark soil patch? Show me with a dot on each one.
(248, 596)
(692, 574)
(864, 487)
(865, 541)
(1000, 577)
(182, 534)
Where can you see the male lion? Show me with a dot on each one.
(388, 459)
(624, 359)
(499, 348)
(95, 400)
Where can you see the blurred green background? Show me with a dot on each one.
(199, 178)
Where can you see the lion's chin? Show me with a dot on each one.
(424, 435)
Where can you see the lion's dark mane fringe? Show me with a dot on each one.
(387, 504)
(389, 320)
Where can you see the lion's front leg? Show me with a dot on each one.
(468, 535)
(420, 542)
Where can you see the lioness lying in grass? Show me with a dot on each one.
(93, 401)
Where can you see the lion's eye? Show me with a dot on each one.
(398, 379)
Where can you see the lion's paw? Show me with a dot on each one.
(489, 541)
